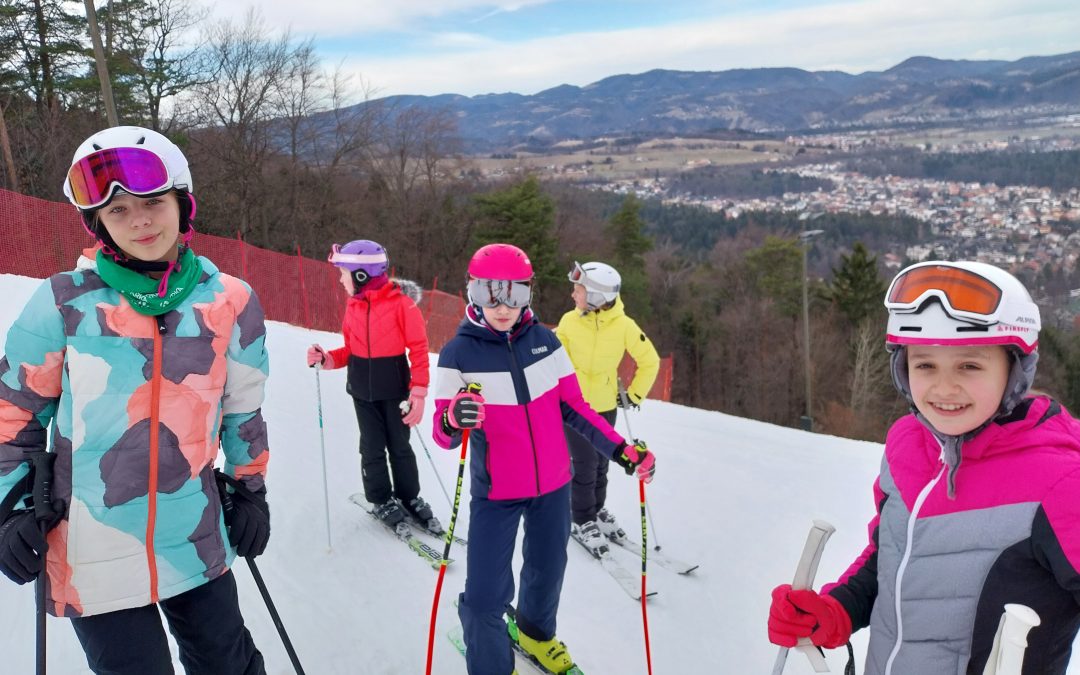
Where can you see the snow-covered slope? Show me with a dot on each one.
(735, 495)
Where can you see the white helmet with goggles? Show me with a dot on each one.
(961, 303)
(601, 281)
(133, 159)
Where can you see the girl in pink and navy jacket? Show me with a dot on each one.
(977, 500)
(520, 464)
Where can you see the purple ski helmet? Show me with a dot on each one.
(364, 258)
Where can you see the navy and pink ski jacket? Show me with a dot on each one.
(530, 389)
(937, 572)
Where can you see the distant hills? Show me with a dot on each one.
(920, 90)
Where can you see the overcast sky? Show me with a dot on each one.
(491, 46)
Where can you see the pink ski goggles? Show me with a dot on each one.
(336, 257)
(93, 179)
(492, 293)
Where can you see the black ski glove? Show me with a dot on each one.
(629, 402)
(247, 516)
(22, 548)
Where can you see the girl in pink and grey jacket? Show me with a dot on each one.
(520, 464)
(977, 500)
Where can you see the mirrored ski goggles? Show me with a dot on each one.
(964, 294)
(336, 257)
(93, 179)
(491, 293)
(578, 275)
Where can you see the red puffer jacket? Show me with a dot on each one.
(379, 326)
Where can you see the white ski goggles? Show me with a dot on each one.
(492, 293)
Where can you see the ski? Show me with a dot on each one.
(439, 534)
(631, 546)
(627, 580)
(403, 532)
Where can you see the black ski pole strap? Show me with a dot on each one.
(22, 487)
(849, 668)
(239, 489)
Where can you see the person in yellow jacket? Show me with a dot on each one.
(596, 334)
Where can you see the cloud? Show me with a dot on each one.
(855, 37)
(336, 18)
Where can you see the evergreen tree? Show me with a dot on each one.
(523, 215)
(857, 289)
(776, 269)
(625, 229)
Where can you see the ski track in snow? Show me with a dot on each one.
(735, 495)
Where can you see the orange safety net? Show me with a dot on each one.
(41, 238)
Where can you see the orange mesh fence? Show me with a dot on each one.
(42, 238)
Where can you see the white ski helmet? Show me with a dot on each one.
(176, 165)
(961, 303)
(601, 282)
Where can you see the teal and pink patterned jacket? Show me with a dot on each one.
(138, 406)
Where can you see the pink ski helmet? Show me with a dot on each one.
(503, 262)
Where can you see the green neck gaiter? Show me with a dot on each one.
(150, 296)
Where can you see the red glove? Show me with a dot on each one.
(798, 614)
(412, 410)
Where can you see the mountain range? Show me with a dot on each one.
(920, 90)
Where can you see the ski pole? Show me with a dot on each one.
(804, 579)
(1010, 641)
(449, 502)
(275, 616)
(44, 513)
(322, 445)
(625, 398)
(474, 388)
(644, 559)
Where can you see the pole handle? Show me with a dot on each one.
(805, 572)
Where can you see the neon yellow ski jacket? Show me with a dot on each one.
(596, 342)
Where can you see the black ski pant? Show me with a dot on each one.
(205, 621)
(382, 432)
(589, 488)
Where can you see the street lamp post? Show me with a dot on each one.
(804, 237)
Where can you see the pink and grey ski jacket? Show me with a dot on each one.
(937, 572)
(530, 389)
(139, 406)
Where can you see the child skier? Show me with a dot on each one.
(520, 465)
(977, 497)
(144, 360)
(596, 334)
(381, 324)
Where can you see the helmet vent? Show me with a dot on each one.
(910, 329)
(972, 329)
(96, 146)
(142, 139)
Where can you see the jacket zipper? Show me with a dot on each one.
(528, 419)
(367, 315)
(909, 540)
(152, 482)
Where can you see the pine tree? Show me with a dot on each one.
(857, 289)
(630, 244)
(523, 215)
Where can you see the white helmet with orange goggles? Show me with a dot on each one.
(960, 303)
(133, 159)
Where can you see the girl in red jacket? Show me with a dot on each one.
(381, 323)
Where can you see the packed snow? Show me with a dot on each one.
(735, 495)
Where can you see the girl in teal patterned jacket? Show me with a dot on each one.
(145, 360)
